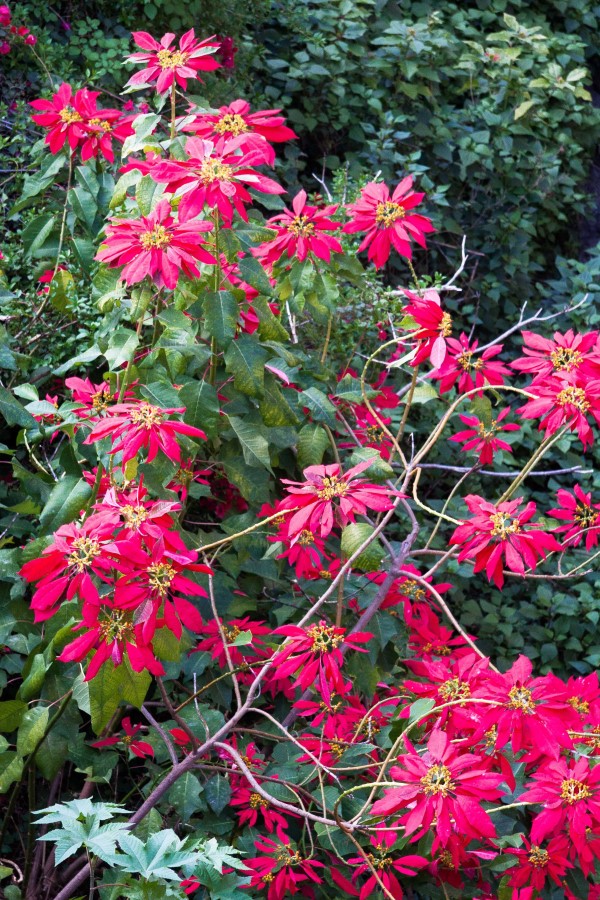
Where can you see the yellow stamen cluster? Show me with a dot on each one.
(387, 213)
(171, 59)
(538, 857)
(572, 791)
(370, 727)
(488, 431)
(159, 237)
(183, 476)
(585, 516)
(134, 515)
(454, 689)
(231, 123)
(439, 650)
(258, 802)
(306, 538)
(520, 698)
(581, 706)
(336, 749)
(301, 226)
(446, 325)
(438, 781)
(285, 856)
(146, 415)
(101, 123)
(69, 116)
(412, 590)
(117, 626)
(380, 862)
(84, 552)
(332, 487)
(324, 638)
(573, 396)
(565, 358)
(214, 170)
(101, 400)
(504, 525)
(160, 576)
(465, 360)
(231, 634)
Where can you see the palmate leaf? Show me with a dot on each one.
(80, 822)
(162, 853)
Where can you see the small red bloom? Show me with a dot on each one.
(496, 536)
(140, 425)
(139, 748)
(387, 864)
(481, 436)
(236, 119)
(212, 641)
(470, 369)
(536, 865)
(388, 220)
(580, 515)
(566, 401)
(65, 115)
(434, 327)
(299, 233)
(155, 246)
(166, 64)
(282, 869)
(252, 804)
(562, 354)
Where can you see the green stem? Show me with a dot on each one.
(327, 339)
(173, 101)
(409, 398)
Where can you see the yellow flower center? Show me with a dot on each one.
(183, 476)
(565, 358)
(101, 400)
(101, 123)
(231, 634)
(571, 791)
(117, 626)
(332, 487)
(380, 862)
(488, 431)
(491, 736)
(438, 781)
(581, 706)
(285, 856)
(454, 689)
(324, 638)
(439, 650)
(412, 590)
(585, 516)
(258, 802)
(134, 515)
(231, 123)
(324, 573)
(504, 525)
(214, 170)
(69, 115)
(158, 237)
(85, 550)
(370, 728)
(170, 59)
(336, 750)
(160, 576)
(387, 213)
(593, 740)
(147, 416)
(538, 857)
(301, 226)
(446, 325)
(445, 860)
(520, 698)
(306, 538)
(573, 396)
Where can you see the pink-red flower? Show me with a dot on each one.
(441, 787)
(155, 246)
(471, 369)
(251, 804)
(387, 864)
(562, 354)
(499, 535)
(481, 436)
(536, 864)
(166, 63)
(434, 327)
(388, 220)
(138, 747)
(581, 517)
(236, 119)
(300, 232)
(328, 495)
(566, 401)
(282, 869)
(66, 115)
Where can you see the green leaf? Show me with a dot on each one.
(185, 795)
(524, 108)
(254, 446)
(32, 729)
(253, 274)
(269, 328)
(144, 194)
(11, 714)
(217, 791)
(221, 311)
(35, 678)
(84, 206)
(11, 768)
(201, 406)
(312, 444)
(112, 686)
(274, 408)
(419, 709)
(121, 347)
(12, 411)
(36, 233)
(353, 536)
(482, 408)
(245, 359)
(143, 126)
(68, 497)
(321, 407)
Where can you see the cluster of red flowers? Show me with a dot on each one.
(10, 32)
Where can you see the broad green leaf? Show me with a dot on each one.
(185, 796)
(253, 274)
(523, 108)
(217, 792)
(35, 678)
(420, 708)
(270, 327)
(320, 406)
(353, 537)
(144, 194)
(482, 408)
(112, 686)
(201, 406)
(312, 444)
(83, 358)
(273, 407)
(254, 446)
(11, 767)
(68, 497)
(84, 206)
(11, 714)
(13, 412)
(245, 359)
(32, 728)
(36, 233)
(121, 347)
(143, 126)
(221, 311)
(62, 290)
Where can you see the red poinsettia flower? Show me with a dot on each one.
(481, 436)
(329, 495)
(281, 869)
(306, 553)
(66, 567)
(566, 401)
(217, 175)
(580, 515)
(441, 786)
(155, 246)
(236, 119)
(112, 634)
(387, 864)
(427, 637)
(65, 115)
(472, 370)
(388, 220)
(314, 654)
(139, 748)
(562, 354)
(570, 794)
(300, 232)
(212, 641)
(252, 804)
(104, 126)
(434, 326)
(499, 535)
(151, 519)
(536, 865)
(140, 425)
(165, 63)
(95, 398)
